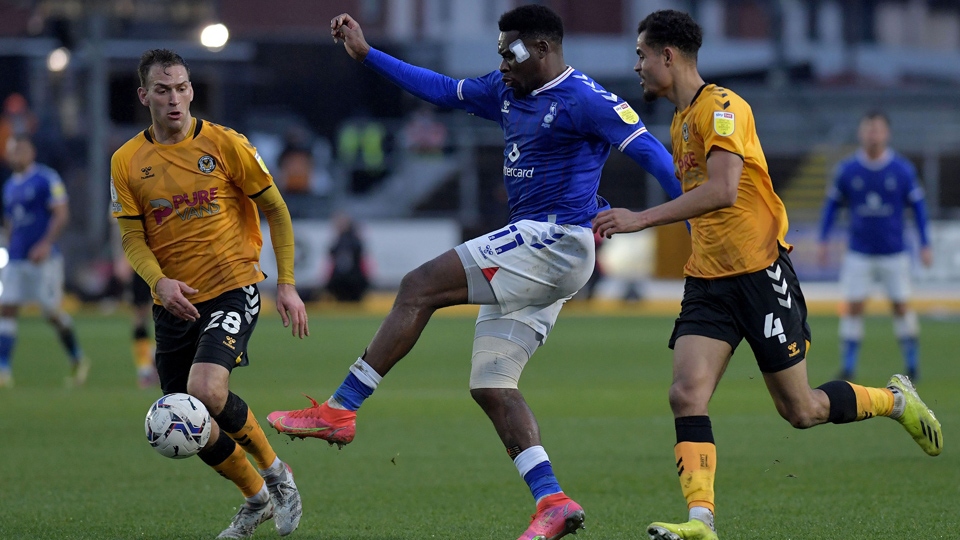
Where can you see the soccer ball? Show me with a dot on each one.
(177, 426)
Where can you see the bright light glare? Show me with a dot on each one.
(4, 257)
(58, 59)
(214, 37)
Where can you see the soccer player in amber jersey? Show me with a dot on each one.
(740, 283)
(558, 126)
(186, 193)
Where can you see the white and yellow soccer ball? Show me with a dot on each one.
(177, 426)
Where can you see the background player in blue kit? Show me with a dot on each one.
(35, 213)
(876, 184)
(559, 126)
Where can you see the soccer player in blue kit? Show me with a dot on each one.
(559, 126)
(35, 213)
(877, 185)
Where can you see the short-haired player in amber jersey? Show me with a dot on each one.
(185, 193)
(740, 283)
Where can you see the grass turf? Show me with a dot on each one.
(427, 464)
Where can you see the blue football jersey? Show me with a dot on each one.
(557, 138)
(27, 199)
(876, 193)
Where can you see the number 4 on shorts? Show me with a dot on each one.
(772, 327)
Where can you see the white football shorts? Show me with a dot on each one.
(533, 268)
(25, 282)
(860, 271)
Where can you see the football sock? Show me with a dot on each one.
(8, 338)
(696, 455)
(907, 328)
(851, 334)
(69, 341)
(228, 459)
(237, 421)
(274, 470)
(851, 402)
(535, 469)
(851, 352)
(141, 349)
(254, 441)
(358, 386)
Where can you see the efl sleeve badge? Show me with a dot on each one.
(723, 123)
(626, 113)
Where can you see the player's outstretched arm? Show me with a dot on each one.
(345, 28)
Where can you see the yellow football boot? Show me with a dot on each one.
(691, 530)
(917, 418)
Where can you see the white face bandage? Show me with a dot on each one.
(519, 50)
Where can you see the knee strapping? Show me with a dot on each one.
(851, 328)
(497, 363)
(234, 414)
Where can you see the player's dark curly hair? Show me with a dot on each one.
(164, 57)
(533, 21)
(669, 27)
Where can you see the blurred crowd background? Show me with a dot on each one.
(351, 152)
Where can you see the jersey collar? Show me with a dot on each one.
(875, 164)
(197, 126)
(559, 79)
(27, 173)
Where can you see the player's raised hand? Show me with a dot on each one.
(617, 220)
(171, 293)
(292, 311)
(345, 28)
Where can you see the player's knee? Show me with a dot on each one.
(496, 363)
(686, 399)
(800, 417)
(210, 393)
(412, 288)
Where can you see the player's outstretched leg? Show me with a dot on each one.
(916, 417)
(691, 530)
(335, 420)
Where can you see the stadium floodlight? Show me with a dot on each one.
(58, 59)
(214, 36)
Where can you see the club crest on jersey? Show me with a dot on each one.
(686, 132)
(550, 116)
(723, 123)
(207, 164)
(626, 113)
(505, 109)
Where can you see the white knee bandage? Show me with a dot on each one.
(851, 328)
(907, 326)
(497, 363)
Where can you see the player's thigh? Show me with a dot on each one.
(856, 276)
(12, 276)
(531, 263)
(225, 326)
(176, 346)
(773, 315)
(698, 364)
(50, 284)
(528, 326)
(894, 272)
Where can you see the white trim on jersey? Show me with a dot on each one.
(460, 89)
(632, 136)
(560, 78)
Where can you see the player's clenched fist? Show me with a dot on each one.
(345, 28)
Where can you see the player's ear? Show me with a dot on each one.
(542, 49)
(142, 94)
(668, 56)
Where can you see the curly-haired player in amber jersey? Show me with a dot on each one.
(740, 283)
(185, 193)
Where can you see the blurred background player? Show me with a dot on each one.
(35, 213)
(136, 290)
(558, 128)
(739, 281)
(348, 277)
(185, 193)
(876, 184)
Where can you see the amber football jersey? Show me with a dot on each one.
(194, 198)
(743, 238)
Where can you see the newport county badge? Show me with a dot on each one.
(686, 132)
(723, 123)
(626, 113)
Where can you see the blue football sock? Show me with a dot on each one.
(542, 481)
(851, 353)
(352, 393)
(7, 341)
(911, 349)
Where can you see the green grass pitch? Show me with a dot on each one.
(426, 463)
